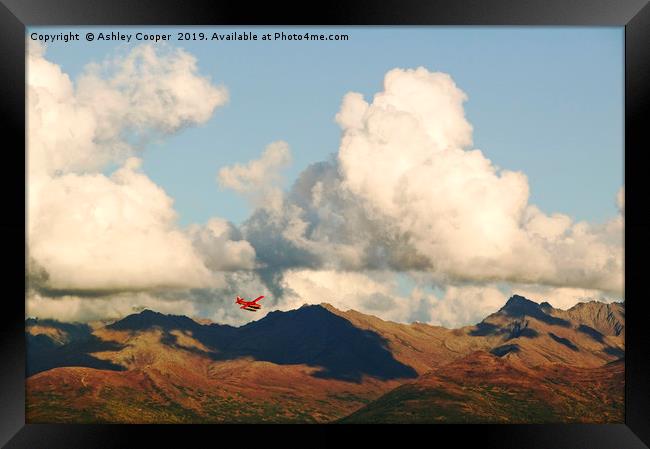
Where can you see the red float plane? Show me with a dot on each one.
(251, 306)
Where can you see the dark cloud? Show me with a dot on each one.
(321, 225)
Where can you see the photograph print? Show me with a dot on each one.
(325, 225)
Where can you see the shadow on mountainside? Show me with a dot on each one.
(314, 336)
(310, 335)
(44, 353)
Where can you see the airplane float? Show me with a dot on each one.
(251, 306)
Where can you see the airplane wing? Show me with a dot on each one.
(258, 298)
(244, 306)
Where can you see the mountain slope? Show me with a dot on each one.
(51, 344)
(181, 383)
(538, 334)
(483, 388)
(310, 335)
(607, 319)
(306, 365)
(320, 364)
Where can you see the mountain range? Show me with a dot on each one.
(525, 363)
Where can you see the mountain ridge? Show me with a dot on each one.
(514, 299)
(316, 364)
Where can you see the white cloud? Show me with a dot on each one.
(82, 127)
(216, 304)
(453, 306)
(562, 297)
(545, 226)
(221, 247)
(405, 193)
(93, 232)
(60, 131)
(259, 179)
(83, 309)
(465, 305)
(150, 87)
(377, 293)
(404, 156)
(371, 292)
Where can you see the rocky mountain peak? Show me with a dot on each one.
(520, 305)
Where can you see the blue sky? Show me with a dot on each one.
(546, 101)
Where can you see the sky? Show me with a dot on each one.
(217, 171)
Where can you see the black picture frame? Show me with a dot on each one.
(634, 15)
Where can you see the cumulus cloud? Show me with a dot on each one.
(97, 232)
(218, 304)
(373, 292)
(463, 305)
(75, 128)
(424, 300)
(92, 232)
(378, 293)
(72, 308)
(404, 195)
(406, 156)
(406, 192)
(148, 88)
(214, 303)
(562, 297)
(321, 225)
(221, 246)
(259, 179)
